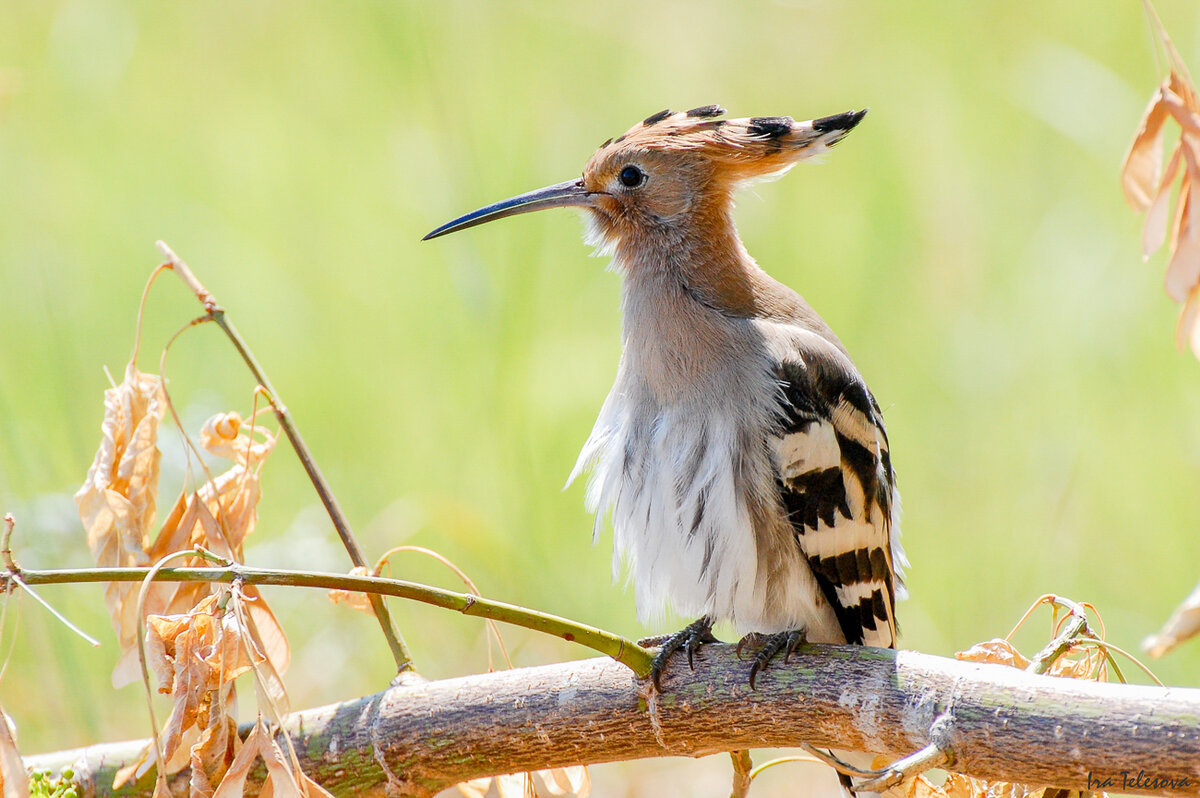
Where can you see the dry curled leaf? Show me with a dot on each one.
(475, 788)
(196, 644)
(13, 776)
(196, 658)
(284, 777)
(1148, 187)
(1078, 662)
(1183, 623)
(567, 781)
(209, 757)
(353, 598)
(218, 517)
(117, 502)
(227, 435)
(570, 781)
(959, 786)
(997, 651)
(268, 655)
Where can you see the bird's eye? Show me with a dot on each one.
(631, 177)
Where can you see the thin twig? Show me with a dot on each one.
(622, 650)
(12, 645)
(466, 580)
(757, 771)
(404, 660)
(743, 766)
(931, 756)
(137, 337)
(845, 768)
(67, 623)
(1067, 632)
(1106, 647)
(1074, 630)
(6, 541)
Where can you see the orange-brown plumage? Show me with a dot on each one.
(697, 162)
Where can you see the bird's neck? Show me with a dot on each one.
(685, 299)
(703, 259)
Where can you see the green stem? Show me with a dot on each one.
(404, 660)
(624, 651)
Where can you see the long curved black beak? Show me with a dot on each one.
(570, 192)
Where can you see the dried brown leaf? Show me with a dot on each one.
(280, 780)
(1148, 188)
(130, 771)
(233, 784)
(1183, 624)
(211, 755)
(1179, 102)
(233, 499)
(998, 651)
(1077, 663)
(312, 789)
(353, 598)
(554, 784)
(1187, 329)
(475, 788)
(1183, 269)
(196, 657)
(117, 502)
(1154, 232)
(919, 786)
(13, 776)
(567, 781)
(161, 790)
(515, 785)
(268, 682)
(224, 511)
(268, 632)
(227, 435)
(1143, 162)
(219, 517)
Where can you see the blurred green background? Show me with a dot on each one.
(969, 243)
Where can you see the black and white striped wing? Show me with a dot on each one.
(837, 485)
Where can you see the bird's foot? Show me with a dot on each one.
(771, 645)
(690, 638)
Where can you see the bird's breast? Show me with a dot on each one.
(680, 349)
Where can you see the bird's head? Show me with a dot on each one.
(671, 168)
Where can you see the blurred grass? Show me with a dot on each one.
(969, 243)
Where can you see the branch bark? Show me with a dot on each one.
(997, 722)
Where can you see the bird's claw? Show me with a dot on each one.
(787, 642)
(690, 638)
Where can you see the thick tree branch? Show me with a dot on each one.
(997, 722)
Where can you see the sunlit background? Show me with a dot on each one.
(968, 242)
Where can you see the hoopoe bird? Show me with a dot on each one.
(740, 455)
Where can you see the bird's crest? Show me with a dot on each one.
(744, 148)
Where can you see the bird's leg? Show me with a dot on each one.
(690, 638)
(787, 642)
